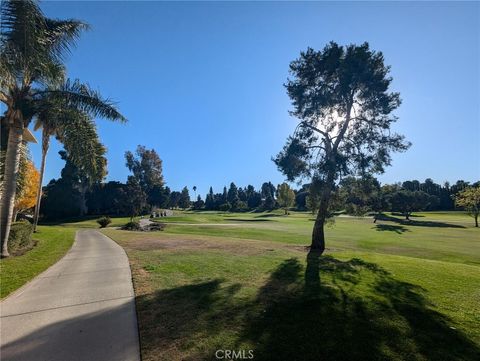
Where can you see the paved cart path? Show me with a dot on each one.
(81, 309)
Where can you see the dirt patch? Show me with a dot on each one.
(174, 243)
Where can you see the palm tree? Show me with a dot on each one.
(33, 48)
(76, 130)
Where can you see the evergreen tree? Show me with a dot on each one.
(232, 195)
(184, 201)
(209, 200)
(342, 100)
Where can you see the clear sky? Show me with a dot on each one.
(202, 83)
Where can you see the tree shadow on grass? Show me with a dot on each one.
(411, 222)
(350, 310)
(328, 310)
(391, 228)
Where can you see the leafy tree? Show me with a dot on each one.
(32, 51)
(341, 97)
(26, 196)
(174, 199)
(469, 199)
(134, 200)
(313, 198)
(311, 202)
(408, 202)
(146, 167)
(106, 198)
(184, 201)
(76, 180)
(158, 196)
(286, 197)
(360, 195)
(60, 200)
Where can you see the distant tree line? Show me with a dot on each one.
(73, 194)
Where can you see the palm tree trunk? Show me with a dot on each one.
(12, 160)
(45, 146)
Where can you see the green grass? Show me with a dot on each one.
(53, 243)
(385, 291)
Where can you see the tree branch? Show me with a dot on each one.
(3, 97)
(325, 134)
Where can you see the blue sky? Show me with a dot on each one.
(202, 83)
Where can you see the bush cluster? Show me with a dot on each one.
(104, 221)
(132, 226)
(20, 238)
(155, 227)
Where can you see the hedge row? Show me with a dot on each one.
(20, 239)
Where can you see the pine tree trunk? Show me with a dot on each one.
(318, 234)
(12, 160)
(476, 219)
(45, 146)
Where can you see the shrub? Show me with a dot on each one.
(132, 226)
(104, 221)
(155, 227)
(20, 239)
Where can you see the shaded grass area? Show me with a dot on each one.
(199, 293)
(52, 242)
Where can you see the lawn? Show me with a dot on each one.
(52, 244)
(392, 290)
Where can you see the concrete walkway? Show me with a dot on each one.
(81, 309)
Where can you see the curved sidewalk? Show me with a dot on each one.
(80, 309)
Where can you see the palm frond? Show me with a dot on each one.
(61, 35)
(81, 96)
(84, 148)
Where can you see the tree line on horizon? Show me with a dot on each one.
(145, 191)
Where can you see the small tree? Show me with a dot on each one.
(359, 195)
(286, 197)
(104, 221)
(469, 199)
(27, 196)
